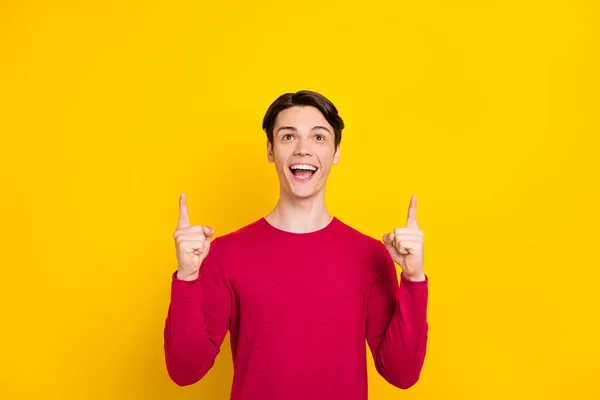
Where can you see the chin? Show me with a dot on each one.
(303, 188)
(305, 192)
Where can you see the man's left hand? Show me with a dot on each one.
(406, 245)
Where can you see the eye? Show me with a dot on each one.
(286, 136)
(320, 137)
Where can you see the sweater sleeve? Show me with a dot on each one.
(397, 327)
(197, 321)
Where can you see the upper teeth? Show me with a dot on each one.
(303, 166)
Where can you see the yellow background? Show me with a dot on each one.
(485, 109)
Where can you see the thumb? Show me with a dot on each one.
(388, 238)
(208, 232)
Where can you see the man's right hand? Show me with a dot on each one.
(192, 243)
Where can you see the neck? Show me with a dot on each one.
(298, 215)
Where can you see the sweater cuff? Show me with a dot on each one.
(409, 281)
(185, 291)
(174, 279)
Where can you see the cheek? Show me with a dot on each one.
(280, 162)
(325, 157)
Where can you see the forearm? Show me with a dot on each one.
(400, 356)
(189, 352)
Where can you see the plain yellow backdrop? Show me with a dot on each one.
(487, 110)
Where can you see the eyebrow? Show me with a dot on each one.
(294, 129)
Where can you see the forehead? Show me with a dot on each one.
(299, 116)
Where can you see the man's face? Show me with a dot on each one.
(303, 150)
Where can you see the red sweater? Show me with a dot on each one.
(300, 309)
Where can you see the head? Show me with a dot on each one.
(304, 133)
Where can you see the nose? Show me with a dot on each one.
(302, 148)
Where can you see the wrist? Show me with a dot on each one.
(418, 277)
(186, 276)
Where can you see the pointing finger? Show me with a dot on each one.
(411, 219)
(184, 220)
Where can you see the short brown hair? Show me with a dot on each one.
(304, 98)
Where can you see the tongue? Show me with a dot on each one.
(302, 173)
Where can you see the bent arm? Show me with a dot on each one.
(397, 328)
(197, 321)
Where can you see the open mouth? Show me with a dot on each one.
(303, 171)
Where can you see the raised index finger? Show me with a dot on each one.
(184, 220)
(411, 219)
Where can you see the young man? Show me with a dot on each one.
(300, 292)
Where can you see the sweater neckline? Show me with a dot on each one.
(334, 221)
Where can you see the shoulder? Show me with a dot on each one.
(361, 240)
(239, 237)
(225, 247)
(371, 251)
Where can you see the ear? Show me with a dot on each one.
(270, 155)
(336, 156)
